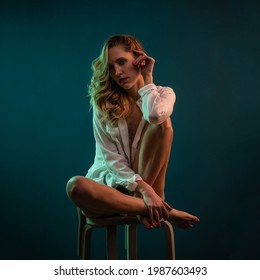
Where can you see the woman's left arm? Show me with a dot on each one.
(157, 101)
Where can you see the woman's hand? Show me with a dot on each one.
(157, 208)
(146, 63)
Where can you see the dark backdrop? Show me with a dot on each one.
(207, 51)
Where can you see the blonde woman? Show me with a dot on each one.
(133, 134)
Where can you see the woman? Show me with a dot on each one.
(133, 133)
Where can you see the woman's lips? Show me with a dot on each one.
(123, 80)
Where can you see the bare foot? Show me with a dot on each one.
(182, 219)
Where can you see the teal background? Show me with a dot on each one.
(207, 51)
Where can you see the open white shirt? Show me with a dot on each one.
(113, 158)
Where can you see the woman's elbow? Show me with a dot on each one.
(153, 119)
(158, 118)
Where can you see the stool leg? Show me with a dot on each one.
(131, 241)
(81, 226)
(86, 242)
(169, 234)
(112, 243)
(80, 242)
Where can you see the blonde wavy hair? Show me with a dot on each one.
(109, 98)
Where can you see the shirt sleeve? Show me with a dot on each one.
(117, 165)
(157, 103)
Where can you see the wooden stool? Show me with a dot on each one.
(86, 225)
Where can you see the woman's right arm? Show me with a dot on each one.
(157, 208)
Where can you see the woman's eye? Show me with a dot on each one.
(121, 62)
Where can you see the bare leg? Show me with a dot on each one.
(151, 161)
(153, 153)
(97, 200)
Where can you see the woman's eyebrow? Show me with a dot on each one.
(117, 60)
(121, 57)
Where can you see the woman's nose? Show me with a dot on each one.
(118, 71)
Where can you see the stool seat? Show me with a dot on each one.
(113, 220)
(87, 225)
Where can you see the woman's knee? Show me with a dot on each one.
(76, 186)
(166, 127)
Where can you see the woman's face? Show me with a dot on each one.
(121, 67)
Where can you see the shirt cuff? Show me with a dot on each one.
(146, 89)
(131, 186)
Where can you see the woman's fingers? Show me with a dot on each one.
(139, 52)
(167, 206)
(151, 214)
(142, 59)
(165, 214)
(163, 211)
(155, 215)
(159, 213)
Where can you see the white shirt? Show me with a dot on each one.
(113, 158)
